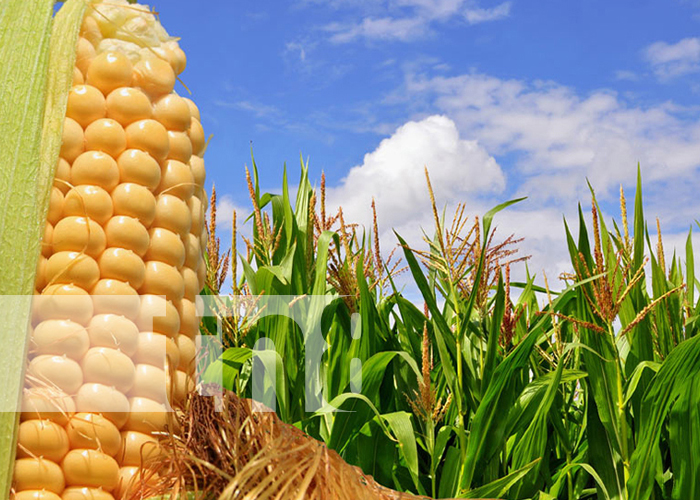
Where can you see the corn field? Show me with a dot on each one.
(584, 392)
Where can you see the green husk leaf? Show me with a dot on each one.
(38, 54)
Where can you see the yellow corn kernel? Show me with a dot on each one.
(92, 431)
(128, 105)
(62, 301)
(194, 110)
(176, 179)
(62, 177)
(145, 415)
(163, 279)
(137, 448)
(135, 201)
(105, 135)
(95, 168)
(166, 246)
(138, 167)
(72, 140)
(122, 264)
(180, 146)
(72, 268)
(111, 367)
(47, 240)
(154, 76)
(84, 493)
(115, 331)
(90, 468)
(36, 495)
(88, 201)
(85, 104)
(149, 382)
(78, 234)
(60, 337)
(111, 296)
(45, 403)
(152, 319)
(84, 55)
(37, 474)
(110, 70)
(98, 398)
(58, 371)
(189, 325)
(55, 206)
(173, 213)
(42, 439)
(150, 136)
(151, 347)
(130, 477)
(127, 232)
(173, 113)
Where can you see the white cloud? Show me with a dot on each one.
(407, 20)
(559, 138)
(670, 60)
(479, 15)
(385, 28)
(626, 75)
(296, 47)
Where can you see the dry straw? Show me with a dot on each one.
(242, 453)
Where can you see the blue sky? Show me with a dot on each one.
(498, 99)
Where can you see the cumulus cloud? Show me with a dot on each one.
(669, 60)
(393, 174)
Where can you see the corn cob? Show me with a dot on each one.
(123, 241)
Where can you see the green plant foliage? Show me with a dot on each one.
(588, 392)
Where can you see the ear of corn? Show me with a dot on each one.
(124, 220)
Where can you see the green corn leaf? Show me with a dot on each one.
(530, 399)
(533, 442)
(488, 427)
(560, 477)
(348, 422)
(684, 441)
(637, 375)
(226, 370)
(401, 426)
(638, 243)
(494, 333)
(499, 487)
(689, 267)
(449, 479)
(681, 366)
